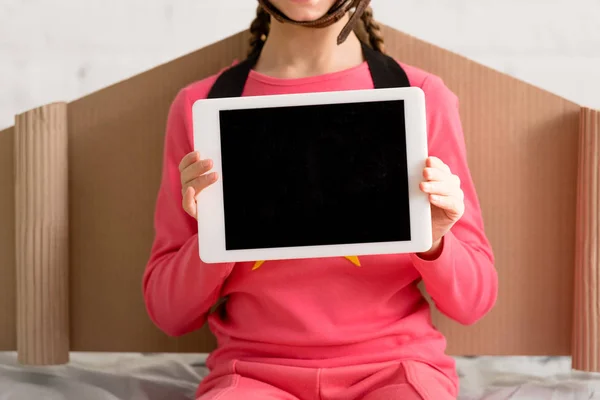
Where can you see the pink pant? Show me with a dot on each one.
(382, 381)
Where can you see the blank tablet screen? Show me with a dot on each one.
(314, 175)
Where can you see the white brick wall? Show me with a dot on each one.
(63, 49)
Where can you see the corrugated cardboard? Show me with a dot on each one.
(42, 234)
(8, 331)
(586, 326)
(523, 152)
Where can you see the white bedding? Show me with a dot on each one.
(525, 378)
(175, 377)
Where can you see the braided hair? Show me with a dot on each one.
(259, 30)
(373, 30)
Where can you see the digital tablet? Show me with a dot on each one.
(313, 175)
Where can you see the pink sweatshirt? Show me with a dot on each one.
(320, 312)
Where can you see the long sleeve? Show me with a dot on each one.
(179, 289)
(462, 281)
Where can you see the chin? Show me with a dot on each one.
(303, 10)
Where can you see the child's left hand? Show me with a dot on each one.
(445, 195)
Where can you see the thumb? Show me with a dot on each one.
(189, 202)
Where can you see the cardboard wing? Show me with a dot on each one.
(79, 182)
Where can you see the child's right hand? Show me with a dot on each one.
(194, 179)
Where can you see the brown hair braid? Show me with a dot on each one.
(373, 30)
(259, 30)
(370, 31)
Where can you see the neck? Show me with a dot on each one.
(293, 51)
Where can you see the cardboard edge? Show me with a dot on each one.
(42, 262)
(586, 313)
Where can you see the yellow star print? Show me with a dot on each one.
(353, 259)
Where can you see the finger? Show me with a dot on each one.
(435, 162)
(189, 202)
(435, 174)
(449, 203)
(442, 188)
(188, 160)
(202, 182)
(194, 170)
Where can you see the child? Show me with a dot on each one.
(321, 328)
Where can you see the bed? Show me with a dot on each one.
(79, 231)
(126, 376)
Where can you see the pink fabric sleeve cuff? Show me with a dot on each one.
(438, 272)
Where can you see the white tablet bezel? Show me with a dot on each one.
(211, 221)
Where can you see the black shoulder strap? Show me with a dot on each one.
(385, 72)
(232, 81)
